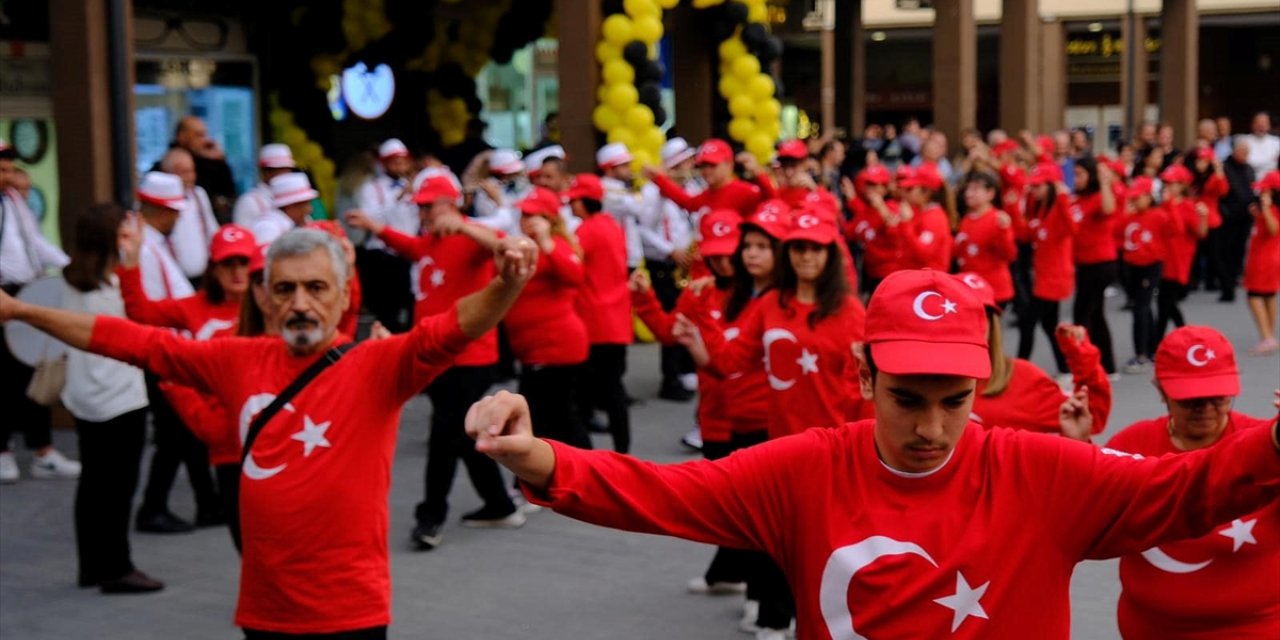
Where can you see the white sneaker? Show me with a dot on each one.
(54, 465)
(689, 381)
(522, 505)
(8, 468)
(750, 614)
(700, 585)
(692, 439)
(771, 634)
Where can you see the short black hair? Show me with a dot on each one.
(592, 205)
(986, 179)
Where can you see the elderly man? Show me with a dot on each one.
(314, 491)
(919, 523)
(1264, 146)
(213, 173)
(196, 223)
(273, 160)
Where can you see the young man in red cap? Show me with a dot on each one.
(1226, 582)
(316, 479)
(604, 304)
(724, 190)
(918, 523)
(453, 258)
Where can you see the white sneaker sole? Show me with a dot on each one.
(513, 521)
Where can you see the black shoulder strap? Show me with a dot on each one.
(330, 357)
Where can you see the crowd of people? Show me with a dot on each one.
(861, 286)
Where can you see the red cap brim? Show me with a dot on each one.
(914, 357)
(818, 234)
(232, 251)
(718, 247)
(1225, 384)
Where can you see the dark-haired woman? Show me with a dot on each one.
(1048, 229)
(108, 400)
(1095, 253)
(984, 241)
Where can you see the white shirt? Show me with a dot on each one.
(193, 232)
(628, 207)
(99, 389)
(389, 201)
(502, 215)
(270, 226)
(254, 204)
(24, 253)
(663, 228)
(1263, 152)
(162, 278)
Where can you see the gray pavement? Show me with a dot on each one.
(555, 578)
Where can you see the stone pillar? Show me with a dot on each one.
(80, 63)
(1019, 95)
(827, 92)
(1053, 76)
(955, 68)
(850, 54)
(695, 80)
(1135, 41)
(579, 27)
(1180, 69)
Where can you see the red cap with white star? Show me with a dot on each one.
(1197, 362)
(925, 322)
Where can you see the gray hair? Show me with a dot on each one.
(302, 241)
(166, 161)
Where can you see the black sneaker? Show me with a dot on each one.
(427, 535)
(488, 518)
(675, 393)
(211, 517)
(162, 522)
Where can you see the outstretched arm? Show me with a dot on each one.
(73, 328)
(483, 310)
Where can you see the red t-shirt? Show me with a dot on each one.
(543, 325)
(1145, 236)
(1224, 584)
(882, 254)
(447, 269)
(1212, 191)
(349, 323)
(987, 250)
(1185, 235)
(925, 240)
(1031, 400)
(1050, 235)
(1094, 243)
(604, 303)
(1262, 266)
(811, 371)
(983, 547)
(313, 499)
(741, 196)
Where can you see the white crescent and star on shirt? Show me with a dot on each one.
(1240, 532)
(808, 360)
(312, 435)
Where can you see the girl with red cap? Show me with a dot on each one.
(1145, 232)
(872, 211)
(1262, 267)
(1094, 251)
(984, 243)
(1190, 220)
(925, 233)
(1208, 185)
(1222, 584)
(547, 335)
(1048, 228)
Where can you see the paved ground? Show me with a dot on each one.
(555, 578)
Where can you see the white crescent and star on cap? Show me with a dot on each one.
(918, 306)
(807, 221)
(721, 229)
(1205, 355)
(232, 235)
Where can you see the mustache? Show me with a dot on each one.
(300, 320)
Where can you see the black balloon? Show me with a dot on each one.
(659, 115)
(636, 53)
(610, 7)
(736, 12)
(754, 36)
(650, 94)
(650, 71)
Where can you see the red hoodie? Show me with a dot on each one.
(738, 195)
(543, 325)
(1050, 236)
(1031, 400)
(987, 250)
(604, 303)
(1223, 584)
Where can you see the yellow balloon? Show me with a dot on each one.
(758, 13)
(606, 51)
(639, 117)
(668, 4)
(703, 4)
(618, 30)
(605, 118)
(760, 87)
(602, 93)
(653, 139)
(623, 135)
(745, 67)
(622, 96)
(618, 72)
(647, 29)
(638, 8)
(732, 49)
(729, 86)
(742, 105)
(741, 129)
(641, 158)
(294, 137)
(760, 145)
(767, 110)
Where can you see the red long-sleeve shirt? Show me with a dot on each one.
(604, 302)
(1262, 264)
(881, 254)
(543, 325)
(1050, 235)
(313, 497)
(987, 250)
(1212, 191)
(739, 195)
(1185, 222)
(811, 371)
(983, 547)
(1224, 584)
(1031, 400)
(1093, 242)
(448, 268)
(925, 240)
(1145, 236)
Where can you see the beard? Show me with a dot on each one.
(302, 331)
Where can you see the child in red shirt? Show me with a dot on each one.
(924, 235)
(1262, 266)
(1190, 219)
(984, 244)
(1145, 232)
(1094, 249)
(1048, 228)
(872, 211)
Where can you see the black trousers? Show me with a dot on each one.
(228, 476)
(1167, 298)
(676, 360)
(728, 565)
(1141, 284)
(1023, 280)
(766, 583)
(175, 445)
(1228, 250)
(1042, 313)
(600, 387)
(110, 453)
(372, 633)
(452, 395)
(21, 413)
(1092, 281)
(384, 285)
(549, 391)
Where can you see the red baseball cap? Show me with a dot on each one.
(436, 188)
(1045, 173)
(719, 231)
(1012, 175)
(585, 185)
(1141, 186)
(714, 151)
(1204, 153)
(1197, 362)
(232, 241)
(330, 227)
(1176, 173)
(793, 150)
(822, 200)
(1269, 181)
(1005, 147)
(925, 322)
(813, 225)
(1117, 167)
(541, 202)
(1046, 145)
(981, 288)
(773, 217)
(258, 261)
(875, 175)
